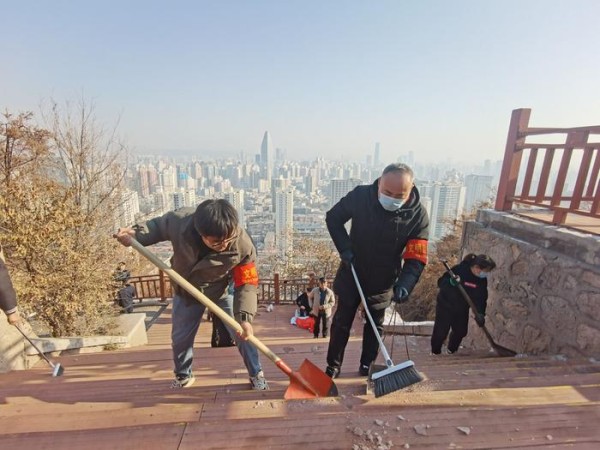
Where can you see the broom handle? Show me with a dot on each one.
(34, 346)
(213, 307)
(388, 360)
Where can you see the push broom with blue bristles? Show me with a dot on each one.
(393, 377)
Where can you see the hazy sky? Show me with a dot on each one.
(328, 78)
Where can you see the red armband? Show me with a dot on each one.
(245, 274)
(416, 249)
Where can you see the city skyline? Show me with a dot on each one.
(334, 79)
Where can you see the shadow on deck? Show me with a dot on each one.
(121, 400)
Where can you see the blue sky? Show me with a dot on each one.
(328, 78)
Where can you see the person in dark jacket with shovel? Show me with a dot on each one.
(452, 311)
(210, 249)
(387, 245)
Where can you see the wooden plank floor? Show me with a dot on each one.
(122, 400)
(578, 222)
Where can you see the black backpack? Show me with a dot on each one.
(220, 334)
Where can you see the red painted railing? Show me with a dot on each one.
(275, 290)
(561, 177)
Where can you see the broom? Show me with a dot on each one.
(392, 378)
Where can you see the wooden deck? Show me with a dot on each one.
(121, 400)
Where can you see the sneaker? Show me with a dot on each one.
(363, 370)
(259, 382)
(183, 382)
(332, 372)
(450, 352)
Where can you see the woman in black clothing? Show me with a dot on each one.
(452, 310)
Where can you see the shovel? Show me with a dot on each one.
(502, 351)
(308, 382)
(57, 369)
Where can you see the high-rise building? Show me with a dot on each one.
(189, 198)
(278, 184)
(376, 155)
(236, 198)
(178, 200)
(284, 219)
(143, 185)
(169, 179)
(478, 189)
(128, 207)
(447, 202)
(339, 188)
(266, 157)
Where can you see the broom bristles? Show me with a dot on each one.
(395, 378)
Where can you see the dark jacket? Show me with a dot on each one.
(8, 297)
(204, 268)
(474, 286)
(302, 300)
(126, 295)
(378, 239)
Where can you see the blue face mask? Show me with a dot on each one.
(482, 274)
(390, 203)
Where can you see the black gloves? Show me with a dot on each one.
(480, 319)
(347, 257)
(400, 294)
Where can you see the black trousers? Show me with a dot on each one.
(340, 332)
(449, 318)
(321, 318)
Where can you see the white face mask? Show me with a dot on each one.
(390, 203)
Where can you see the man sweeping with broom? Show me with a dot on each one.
(387, 246)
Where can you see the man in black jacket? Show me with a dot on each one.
(387, 245)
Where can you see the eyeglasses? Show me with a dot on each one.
(211, 241)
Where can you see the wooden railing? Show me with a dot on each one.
(536, 174)
(270, 290)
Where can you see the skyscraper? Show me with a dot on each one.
(284, 219)
(266, 157)
(376, 155)
(479, 189)
(447, 202)
(277, 184)
(339, 188)
(236, 198)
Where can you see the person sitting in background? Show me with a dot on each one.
(125, 296)
(303, 303)
(452, 310)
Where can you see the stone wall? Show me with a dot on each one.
(544, 295)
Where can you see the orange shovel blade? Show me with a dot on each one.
(310, 382)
